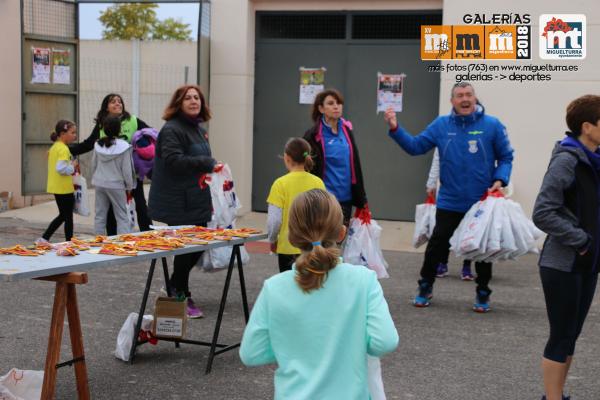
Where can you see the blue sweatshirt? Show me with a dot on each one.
(474, 152)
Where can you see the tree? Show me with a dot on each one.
(139, 21)
(171, 29)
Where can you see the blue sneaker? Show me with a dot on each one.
(563, 397)
(466, 274)
(482, 301)
(424, 294)
(442, 270)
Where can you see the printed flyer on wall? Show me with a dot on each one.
(389, 91)
(61, 72)
(41, 65)
(312, 81)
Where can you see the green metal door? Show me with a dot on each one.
(49, 81)
(394, 181)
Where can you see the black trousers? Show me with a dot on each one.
(286, 261)
(346, 211)
(568, 298)
(439, 246)
(141, 210)
(182, 266)
(65, 203)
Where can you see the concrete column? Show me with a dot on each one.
(10, 101)
(231, 90)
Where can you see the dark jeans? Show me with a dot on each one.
(65, 203)
(568, 299)
(141, 210)
(439, 246)
(182, 266)
(286, 261)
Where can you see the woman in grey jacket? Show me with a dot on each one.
(567, 210)
(113, 175)
(177, 196)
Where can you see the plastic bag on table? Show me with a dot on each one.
(362, 246)
(82, 200)
(21, 384)
(424, 222)
(125, 337)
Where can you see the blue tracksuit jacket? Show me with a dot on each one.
(474, 152)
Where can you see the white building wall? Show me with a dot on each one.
(10, 100)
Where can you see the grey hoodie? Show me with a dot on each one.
(113, 166)
(566, 210)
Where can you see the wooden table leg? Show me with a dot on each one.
(54, 340)
(65, 299)
(83, 390)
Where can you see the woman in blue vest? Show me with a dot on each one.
(113, 106)
(335, 157)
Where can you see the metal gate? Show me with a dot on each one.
(49, 81)
(353, 47)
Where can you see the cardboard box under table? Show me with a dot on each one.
(66, 272)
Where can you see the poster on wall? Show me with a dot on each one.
(389, 91)
(312, 81)
(61, 66)
(41, 65)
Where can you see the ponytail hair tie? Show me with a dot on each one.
(305, 154)
(316, 244)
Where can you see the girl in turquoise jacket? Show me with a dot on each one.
(319, 321)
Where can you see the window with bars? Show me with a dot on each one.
(49, 18)
(392, 26)
(302, 26)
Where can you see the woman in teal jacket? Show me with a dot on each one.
(319, 321)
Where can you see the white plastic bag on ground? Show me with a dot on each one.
(82, 200)
(131, 213)
(224, 199)
(362, 246)
(21, 384)
(125, 337)
(424, 222)
(374, 378)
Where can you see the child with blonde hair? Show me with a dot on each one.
(319, 321)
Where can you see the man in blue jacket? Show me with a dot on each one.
(475, 156)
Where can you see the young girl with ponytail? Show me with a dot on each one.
(319, 321)
(60, 184)
(298, 161)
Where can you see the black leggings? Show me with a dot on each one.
(568, 299)
(65, 203)
(182, 266)
(439, 246)
(141, 211)
(286, 261)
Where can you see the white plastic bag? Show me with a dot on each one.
(424, 222)
(82, 200)
(224, 199)
(125, 337)
(374, 378)
(362, 247)
(219, 258)
(470, 236)
(131, 213)
(21, 384)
